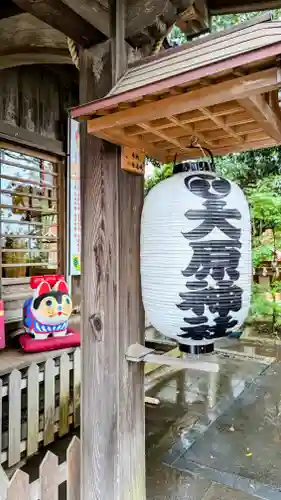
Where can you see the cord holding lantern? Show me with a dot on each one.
(207, 165)
(196, 256)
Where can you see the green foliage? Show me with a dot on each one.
(257, 172)
(159, 174)
(264, 305)
(270, 183)
(264, 251)
(219, 23)
(266, 208)
(252, 167)
(261, 307)
(233, 168)
(154, 162)
(261, 253)
(177, 36)
(275, 287)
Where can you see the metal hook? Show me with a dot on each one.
(194, 143)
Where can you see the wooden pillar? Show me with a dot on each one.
(113, 437)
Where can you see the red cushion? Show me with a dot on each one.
(29, 344)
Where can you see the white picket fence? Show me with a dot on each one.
(37, 404)
(51, 475)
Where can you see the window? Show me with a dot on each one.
(31, 216)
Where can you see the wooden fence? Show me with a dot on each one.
(37, 404)
(51, 475)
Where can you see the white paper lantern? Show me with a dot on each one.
(196, 258)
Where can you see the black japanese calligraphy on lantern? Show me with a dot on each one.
(214, 258)
(213, 216)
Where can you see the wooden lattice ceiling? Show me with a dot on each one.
(235, 125)
(229, 105)
(227, 127)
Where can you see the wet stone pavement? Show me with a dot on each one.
(242, 446)
(190, 403)
(204, 414)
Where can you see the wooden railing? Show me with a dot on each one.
(51, 475)
(37, 404)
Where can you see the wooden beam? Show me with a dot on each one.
(194, 16)
(273, 101)
(220, 122)
(142, 16)
(224, 150)
(44, 56)
(235, 88)
(94, 12)
(58, 15)
(239, 129)
(164, 136)
(118, 33)
(247, 146)
(229, 141)
(8, 9)
(118, 137)
(139, 15)
(24, 137)
(113, 434)
(262, 113)
(238, 119)
(191, 130)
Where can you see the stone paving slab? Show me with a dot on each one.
(208, 397)
(219, 492)
(242, 447)
(185, 407)
(163, 483)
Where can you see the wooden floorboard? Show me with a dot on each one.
(11, 358)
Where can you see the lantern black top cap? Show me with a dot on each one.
(190, 166)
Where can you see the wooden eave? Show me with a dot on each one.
(223, 91)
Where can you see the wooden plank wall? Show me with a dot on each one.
(14, 292)
(36, 99)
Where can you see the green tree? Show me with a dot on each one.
(260, 167)
(160, 173)
(219, 23)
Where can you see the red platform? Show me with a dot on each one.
(28, 344)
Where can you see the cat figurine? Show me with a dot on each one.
(47, 313)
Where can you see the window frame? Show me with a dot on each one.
(61, 219)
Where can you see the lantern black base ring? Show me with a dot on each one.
(197, 349)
